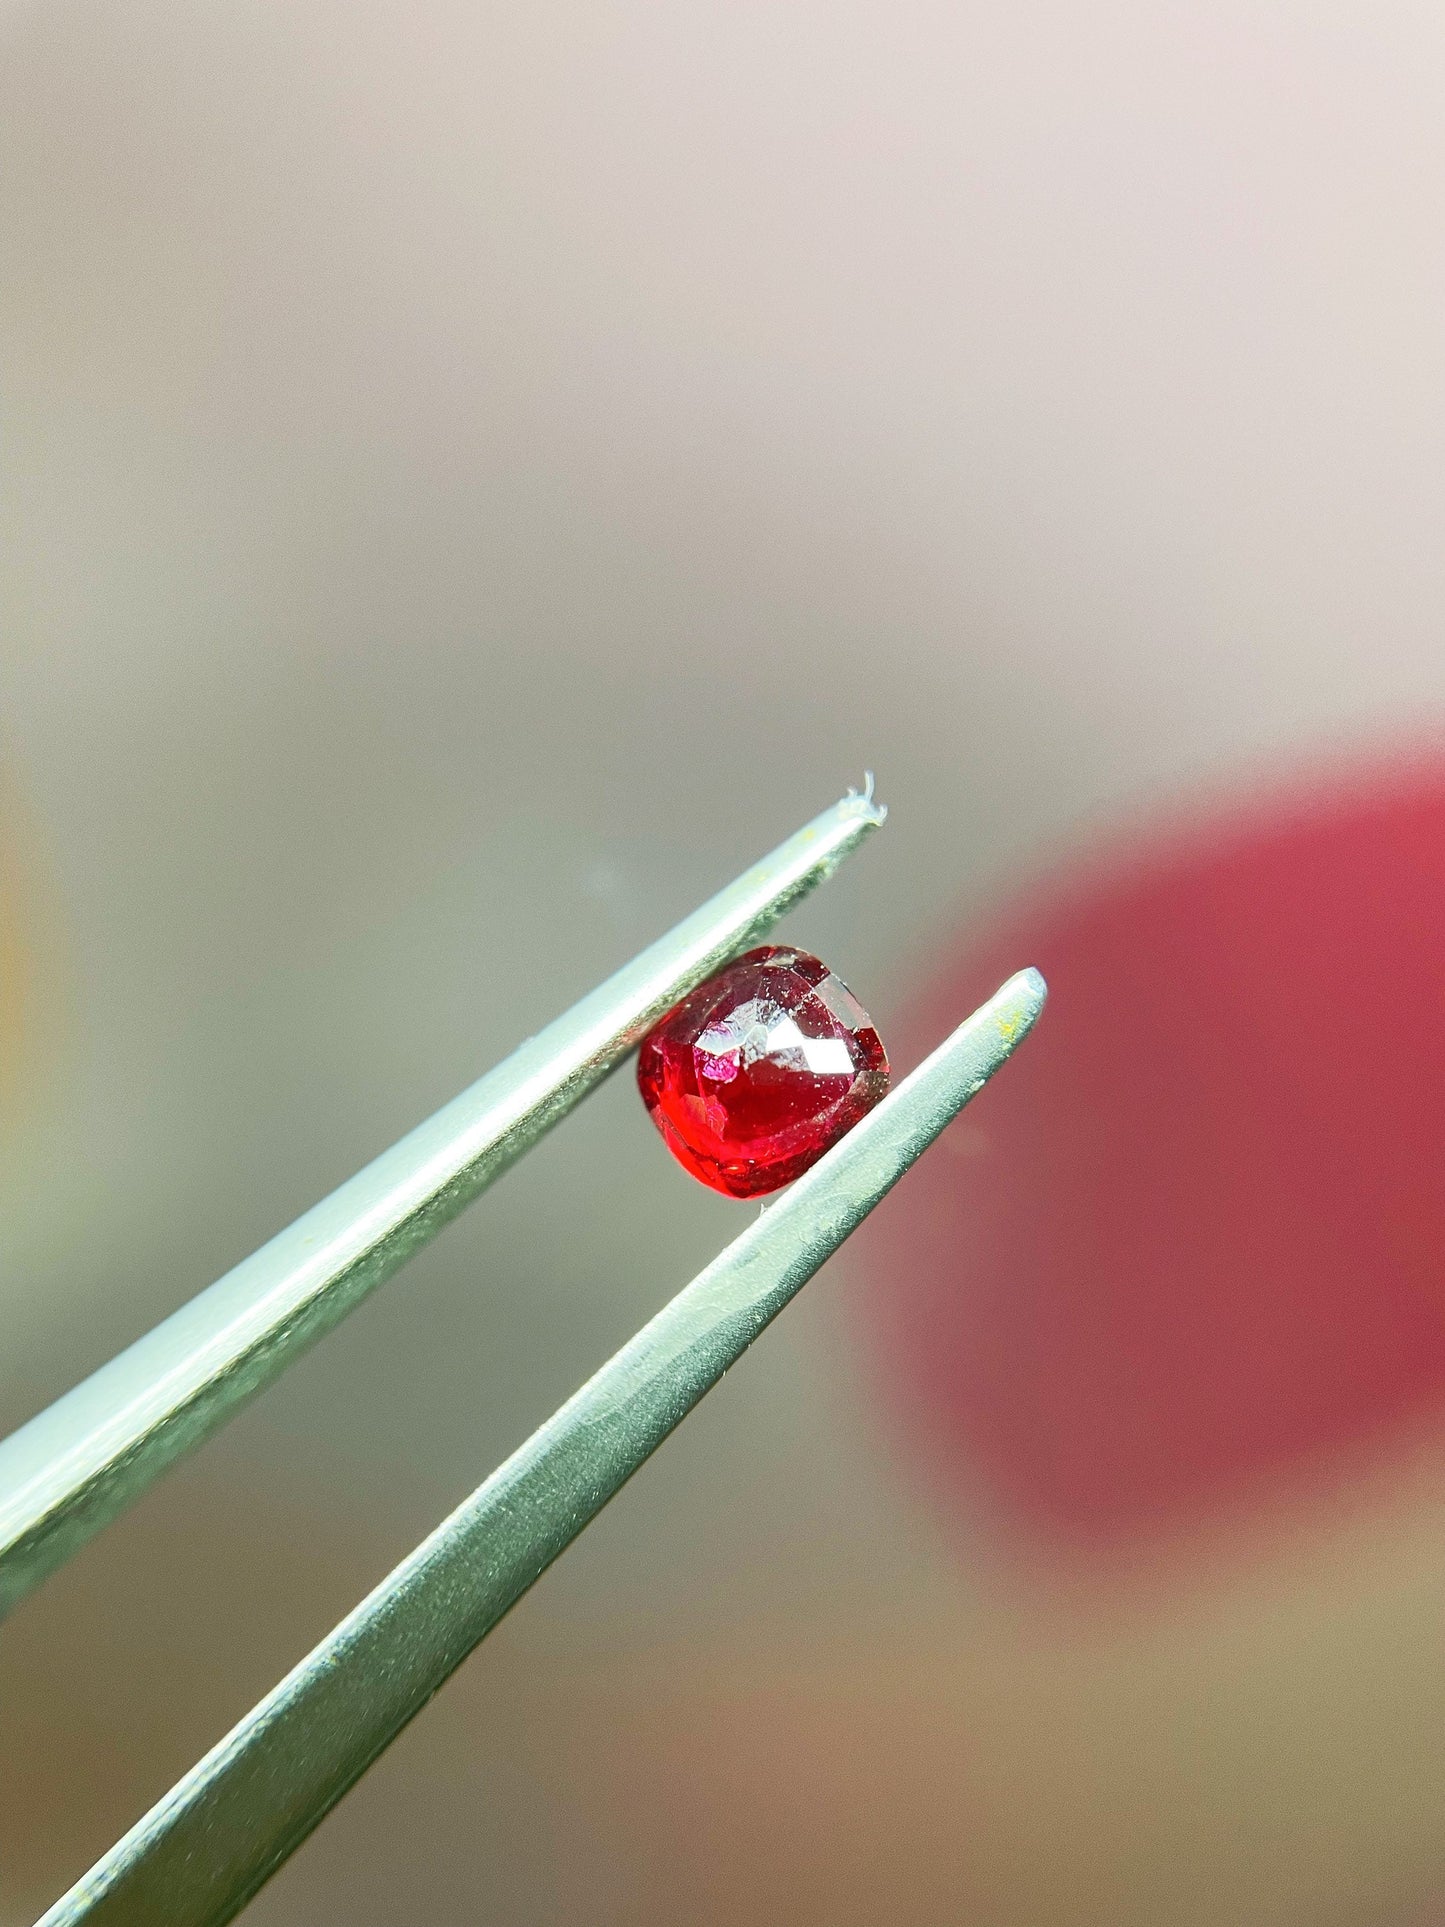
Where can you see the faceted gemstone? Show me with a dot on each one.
(760, 1070)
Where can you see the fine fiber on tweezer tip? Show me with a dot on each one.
(74, 1467)
(204, 1850)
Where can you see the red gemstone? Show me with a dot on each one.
(760, 1070)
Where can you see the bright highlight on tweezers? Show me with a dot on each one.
(200, 1854)
(87, 1457)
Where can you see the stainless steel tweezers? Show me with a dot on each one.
(204, 1849)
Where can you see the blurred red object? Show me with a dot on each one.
(1198, 1243)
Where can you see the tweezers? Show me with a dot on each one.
(209, 1844)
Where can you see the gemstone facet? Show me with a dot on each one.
(760, 1070)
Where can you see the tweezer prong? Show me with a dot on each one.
(78, 1464)
(205, 1849)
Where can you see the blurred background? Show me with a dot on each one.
(475, 477)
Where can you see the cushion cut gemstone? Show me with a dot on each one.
(760, 1070)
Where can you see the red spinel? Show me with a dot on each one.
(760, 1070)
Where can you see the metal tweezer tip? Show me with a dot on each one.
(78, 1464)
(198, 1856)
